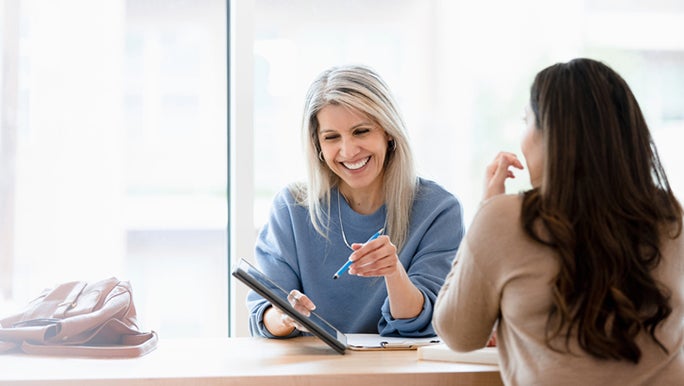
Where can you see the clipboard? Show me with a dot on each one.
(375, 342)
(319, 327)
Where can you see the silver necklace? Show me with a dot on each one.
(339, 215)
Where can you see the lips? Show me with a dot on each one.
(356, 165)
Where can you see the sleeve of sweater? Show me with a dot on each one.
(437, 230)
(467, 307)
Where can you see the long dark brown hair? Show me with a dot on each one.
(606, 204)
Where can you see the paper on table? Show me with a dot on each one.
(377, 342)
(441, 352)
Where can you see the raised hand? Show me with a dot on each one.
(497, 172)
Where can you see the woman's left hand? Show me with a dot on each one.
(375, 258)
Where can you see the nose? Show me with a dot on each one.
(349, 147)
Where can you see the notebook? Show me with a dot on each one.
(370, 342)
(441, 352)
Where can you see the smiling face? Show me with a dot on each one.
(354, 148)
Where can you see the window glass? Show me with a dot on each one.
(114, 154)
(461, 71)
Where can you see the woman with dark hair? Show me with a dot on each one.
(361, 185)
(583, 275)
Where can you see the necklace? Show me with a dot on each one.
(339, 215)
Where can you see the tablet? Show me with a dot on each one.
(256, 280)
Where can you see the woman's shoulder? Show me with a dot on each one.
(290, 193)
(496, 227)
(502, 210)
(501, 201)
(288, 197)
(431, 191)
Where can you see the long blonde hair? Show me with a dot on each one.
(359, 88)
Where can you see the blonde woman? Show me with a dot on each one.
(362, 202)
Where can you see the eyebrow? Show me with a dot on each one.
(361, 124)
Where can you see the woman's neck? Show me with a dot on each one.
(363, 201)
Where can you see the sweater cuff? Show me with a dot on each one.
(257, 327)
(419, 326)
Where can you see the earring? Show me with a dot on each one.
(392, 145)
(320, 156)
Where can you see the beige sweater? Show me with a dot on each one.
(501, 278)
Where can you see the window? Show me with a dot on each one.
(113, 144)
(114, 154)
(461, 71)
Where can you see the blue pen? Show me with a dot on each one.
(349, 262)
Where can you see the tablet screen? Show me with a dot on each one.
(256, 280)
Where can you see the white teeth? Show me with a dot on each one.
(357, 165)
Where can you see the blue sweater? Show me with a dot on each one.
(295, 256)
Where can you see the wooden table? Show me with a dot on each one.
(244, 361)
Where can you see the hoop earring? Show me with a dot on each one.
(320, 156)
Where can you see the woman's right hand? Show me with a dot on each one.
(497, 172)
(281, 324)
